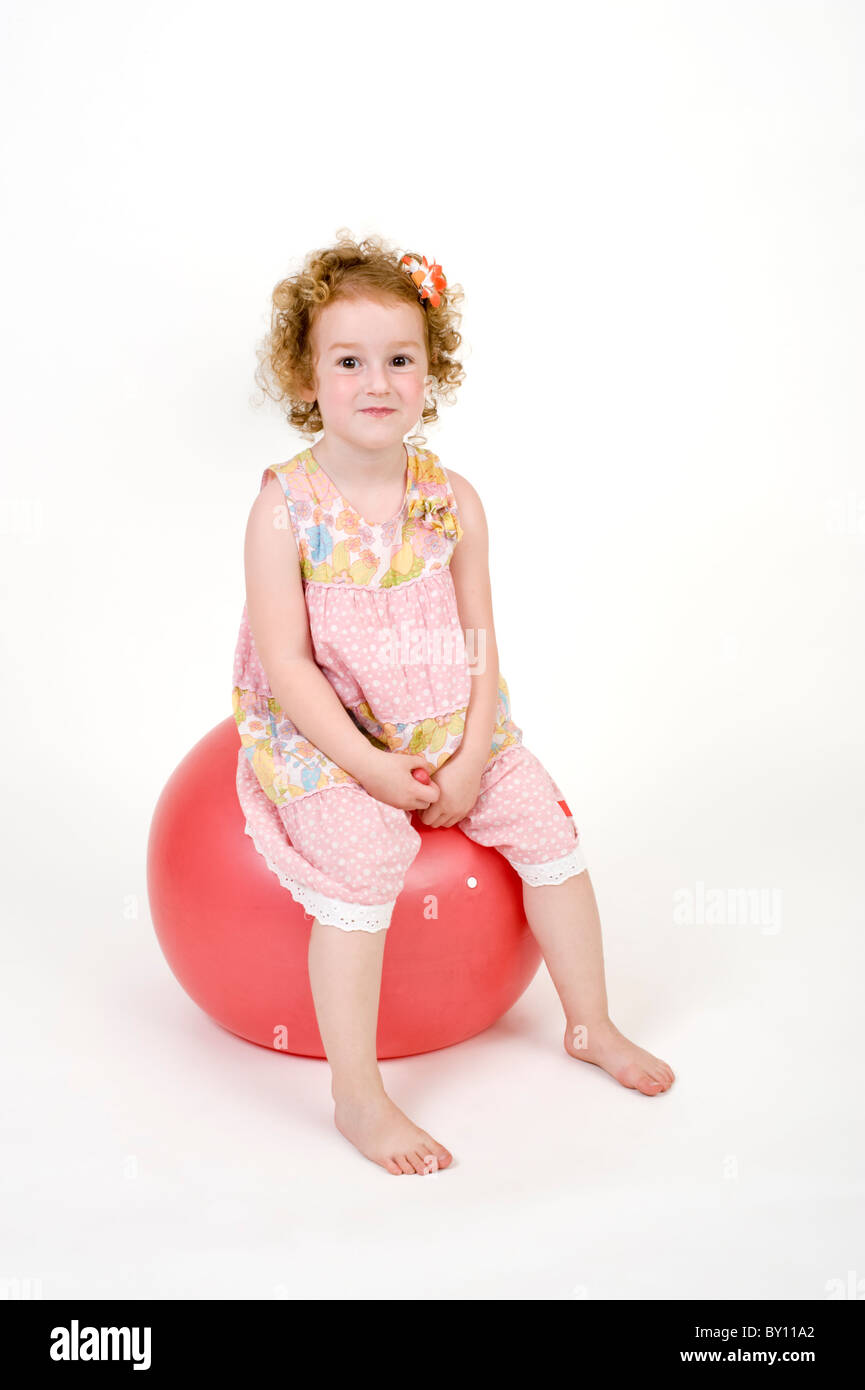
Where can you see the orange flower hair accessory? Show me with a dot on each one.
(427, 276)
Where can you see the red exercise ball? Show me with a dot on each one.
(237, 940)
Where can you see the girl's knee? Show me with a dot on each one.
(363, 847)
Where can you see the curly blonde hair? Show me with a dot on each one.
(351, 270)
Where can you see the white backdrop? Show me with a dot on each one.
(657, 213)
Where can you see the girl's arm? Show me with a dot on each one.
(279, 623)
(470, 572)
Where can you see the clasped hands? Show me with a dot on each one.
(459, 781)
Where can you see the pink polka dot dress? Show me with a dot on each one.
(386, 632)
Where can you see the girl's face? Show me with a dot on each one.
(366, 353)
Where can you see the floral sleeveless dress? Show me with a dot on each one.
(385, 631)
(384, 625)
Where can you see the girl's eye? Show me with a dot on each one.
(400, 357)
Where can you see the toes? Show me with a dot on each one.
(660, 1073)
(431, 1149)
(649, 1085)
(420, 1160)
(638, 1078)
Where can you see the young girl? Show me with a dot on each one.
(355, 548)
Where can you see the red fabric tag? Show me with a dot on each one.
(564, 806)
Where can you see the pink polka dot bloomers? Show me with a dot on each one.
(386, 632)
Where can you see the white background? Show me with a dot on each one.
(657, 213)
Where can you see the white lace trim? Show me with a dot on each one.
(555, 870)
(333, 912)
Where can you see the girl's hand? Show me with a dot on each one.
(459, 784)
(389, 779)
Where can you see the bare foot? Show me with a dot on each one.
(383, 1133)
(630, 1065)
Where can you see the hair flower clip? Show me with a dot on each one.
(427, 276)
